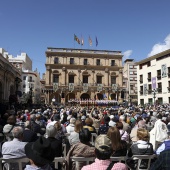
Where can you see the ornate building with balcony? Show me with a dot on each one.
(82, 74)
(153, 77)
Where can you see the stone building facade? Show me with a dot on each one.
(10, 79)
(82, 74)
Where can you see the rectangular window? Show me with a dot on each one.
(140, 66)
(98, 62)
(131, 79)
(149, 89)
(71, 60)
(141, 90)
(112, 62)
(85, 62)
(85, 79)
(24, 86)
(159, 87)
(169, 72)
(130, 66)
(131, 87)
(56, 60)
(113, 80)
(141, 79)
(99, 79)
(30, 79)
(131, 73)
(71, 79)
(158, 74)
(55, 78)
(149, 76)
(24, 78)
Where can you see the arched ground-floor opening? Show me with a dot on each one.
(85, 96)
(69, 96)
(113, 96)
(98, 96)
(55, 96)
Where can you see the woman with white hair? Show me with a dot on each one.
(70, 127)
(56, 144)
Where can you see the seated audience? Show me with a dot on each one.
(104, 128)
(166, 144)
(96, 116)
(162, 162)
(74, 136)
(123, 134)
(40, 154)
(89, 125)
(82, 148)
(141, 147)
(34, 126)
(103, 151)
(56, 144)
(7, 129)
(28, 134)
(70, 127)
(14, 148)
(119, 146)
(133, 134)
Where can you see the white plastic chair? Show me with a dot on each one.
(118, 159)
(57, 160)
(140, 158)
(93, 137)
(87, 160)
(18, 161)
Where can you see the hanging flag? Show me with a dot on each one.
(82, 41)
(96, 42)
(76, 39)
(90, 41)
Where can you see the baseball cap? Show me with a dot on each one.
(103, 143)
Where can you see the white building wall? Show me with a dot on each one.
(155, 65)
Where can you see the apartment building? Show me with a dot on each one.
(130, 80)
(153, 76)
(82, 74)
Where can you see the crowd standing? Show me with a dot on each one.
(39, 134)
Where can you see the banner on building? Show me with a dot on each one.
(85, 87)
(55, 87)
(153, 82)
(164, 70)
(99, 87)
(145, 89)
(114, 87)
(71, 87)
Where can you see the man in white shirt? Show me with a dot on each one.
(14, 148)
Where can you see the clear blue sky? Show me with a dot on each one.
(134, 27)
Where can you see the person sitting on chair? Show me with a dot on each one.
(103, 152)
(40, 154)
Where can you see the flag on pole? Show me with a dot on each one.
(90, 41)
(76, 39)
(96, 42)
(82, 41)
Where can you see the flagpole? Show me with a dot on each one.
(74, 42)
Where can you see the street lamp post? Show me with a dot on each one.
(154, 91)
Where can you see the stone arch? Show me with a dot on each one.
(98, 96)
(85, 96)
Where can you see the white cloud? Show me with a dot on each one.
(127, 54)
(157, 48)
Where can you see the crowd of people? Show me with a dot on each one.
(39, 134)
